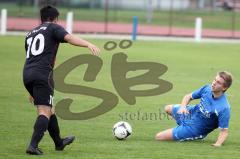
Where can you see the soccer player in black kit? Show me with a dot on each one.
(41, 46)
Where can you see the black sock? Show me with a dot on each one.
(40, 127)
(54, 131)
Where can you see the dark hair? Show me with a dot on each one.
(48, 13)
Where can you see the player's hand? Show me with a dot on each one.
(30, 98)
(183, 110)
(216, 145)
(94, 49)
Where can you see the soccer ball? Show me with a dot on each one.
(121, 130)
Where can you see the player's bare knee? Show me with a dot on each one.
(159, 137)
(156, 137)
(44, 110)
(168, 109)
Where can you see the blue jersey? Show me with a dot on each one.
(210, 113)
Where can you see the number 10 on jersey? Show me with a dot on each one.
(35, 45)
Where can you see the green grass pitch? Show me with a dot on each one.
(190, 65)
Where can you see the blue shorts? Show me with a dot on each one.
(186, 129)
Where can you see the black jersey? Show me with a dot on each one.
(41, 45)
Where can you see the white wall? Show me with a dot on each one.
(142, 4)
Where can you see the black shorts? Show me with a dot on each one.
(39, 84)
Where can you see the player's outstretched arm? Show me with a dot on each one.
(185, 101)
(221, 137)
(82, 43)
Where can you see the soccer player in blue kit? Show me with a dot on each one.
(41, 45)
(197, 121)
